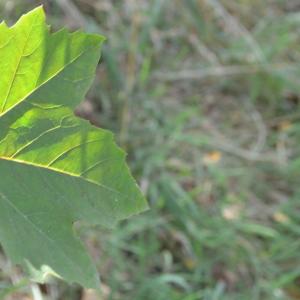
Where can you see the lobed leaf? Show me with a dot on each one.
(55, 169)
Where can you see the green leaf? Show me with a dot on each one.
(55, 169)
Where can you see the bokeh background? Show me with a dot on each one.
(204, 97)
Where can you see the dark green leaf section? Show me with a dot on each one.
(55, 169)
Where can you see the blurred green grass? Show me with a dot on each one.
(204, 96)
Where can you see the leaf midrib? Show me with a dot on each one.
(17, 67)
(48, 80)
(19, 161)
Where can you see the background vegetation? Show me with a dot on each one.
(204, 96)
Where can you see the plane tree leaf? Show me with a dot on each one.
(55, 169)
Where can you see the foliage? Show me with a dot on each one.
(55, 168)
(212, 128)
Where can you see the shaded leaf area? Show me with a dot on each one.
(55, 168)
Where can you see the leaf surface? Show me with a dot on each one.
(55, 169)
